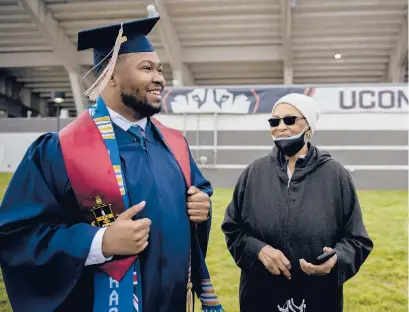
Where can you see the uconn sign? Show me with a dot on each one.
(369, 100)
(377, 98)
(363, 99)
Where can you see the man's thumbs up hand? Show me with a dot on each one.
(125, 236)
(131, 212)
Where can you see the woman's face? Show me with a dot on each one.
(283, 130)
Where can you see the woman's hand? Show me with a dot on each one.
(322, 269)
(275, 261)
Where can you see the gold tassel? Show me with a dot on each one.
(100, 84)
(189, 294)
(189, 298)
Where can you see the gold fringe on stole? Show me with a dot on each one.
(189, 294)
(189, 299)
(96, 89)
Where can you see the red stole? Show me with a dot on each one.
(91, 173)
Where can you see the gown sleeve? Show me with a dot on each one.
(354, 245)
(198, 180)
(243, 247)
(43, 247)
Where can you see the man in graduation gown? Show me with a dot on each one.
(50, 249)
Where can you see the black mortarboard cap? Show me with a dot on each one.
(102, 40)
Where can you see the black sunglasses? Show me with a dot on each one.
(288, 120)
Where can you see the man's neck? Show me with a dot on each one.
(128, 113)
(123, 110)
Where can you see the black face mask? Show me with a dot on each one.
(291, 145)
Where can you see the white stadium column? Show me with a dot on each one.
(396, 70)
(25, 96)
(171, 43)
(63, 49)
(77, 91)
(286, 37)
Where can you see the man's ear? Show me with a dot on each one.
(113, 80)
(117, 72)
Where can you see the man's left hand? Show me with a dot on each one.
(198, 205)
(322, 269)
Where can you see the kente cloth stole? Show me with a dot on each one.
(92, 160)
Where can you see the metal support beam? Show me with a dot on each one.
(286, 35)
(396, 68)
(3, 85)
(171, 44)
(12, 107)
(59, 41)
(18, 93)
(246, 53)
(50, 30)
(43, 107)
(26, 97)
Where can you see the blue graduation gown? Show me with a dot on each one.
(45, 241)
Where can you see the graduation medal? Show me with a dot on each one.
(103, 213)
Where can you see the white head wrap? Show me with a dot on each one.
(305, 104)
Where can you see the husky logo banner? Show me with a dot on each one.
(241, 100)
(223, 100)
(211, 100)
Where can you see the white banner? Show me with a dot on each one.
(260, 100)
(370, 99)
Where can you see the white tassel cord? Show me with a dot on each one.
(100, 84)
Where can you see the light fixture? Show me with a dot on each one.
(58, 97)
(44, 68)
(338, 56)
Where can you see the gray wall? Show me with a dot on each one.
(347, 158)
(380, 178)
(364, 180)
(21, 132)
(32, 125)
(327, 137)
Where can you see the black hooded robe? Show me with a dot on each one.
(318, 208)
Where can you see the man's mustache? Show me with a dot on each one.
(157, 85)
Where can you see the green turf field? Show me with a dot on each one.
(381, 284)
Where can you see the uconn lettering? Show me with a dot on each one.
(113, 297)
(372, 100)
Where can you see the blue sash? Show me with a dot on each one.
(111, 295)
(126, 295)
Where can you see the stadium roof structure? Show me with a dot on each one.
(212, 42)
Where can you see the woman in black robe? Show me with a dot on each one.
(288, 208)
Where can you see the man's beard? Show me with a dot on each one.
(142, 107)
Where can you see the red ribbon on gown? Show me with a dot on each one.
(91, 173)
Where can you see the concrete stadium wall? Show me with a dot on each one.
(374, 147)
